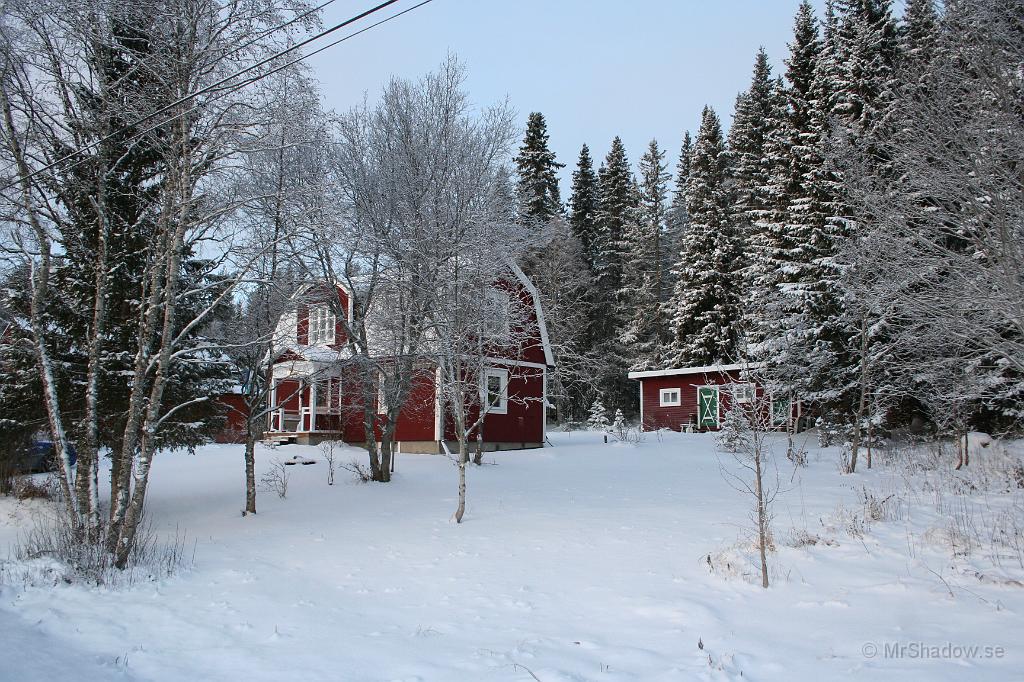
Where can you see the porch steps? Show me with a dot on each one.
(280, 439)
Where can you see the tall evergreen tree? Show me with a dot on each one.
(617, 204)
(706, 301)
(583, 207)
(645, 286)
(758, 145)
(756, 113)
(677, 218)
(537, 185)
(919, 34)
(618, 199)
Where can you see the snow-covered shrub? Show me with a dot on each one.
(327, 448)
(359, 471)
(830, 433)
(52, 551)
(734, 432)
(598, 419)
(275, 479)
(619, 427)
(801, 537)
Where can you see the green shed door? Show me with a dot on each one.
(707, 406)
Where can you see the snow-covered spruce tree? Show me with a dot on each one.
(864, 46)
(645, 282)
(619, 425)
(537, 190)
(918, 39)
(705, 304)
(748, 165)
(598, 415)
(583, 208)
(807, 337)
(618, 199)
(676, 218)
(939, 232)
(759, 144)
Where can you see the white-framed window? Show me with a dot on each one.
(496, 314)
(494, 390)
(671, 397)
(323, 392)
(743, 393)
(321, 325)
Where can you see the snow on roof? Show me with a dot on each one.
(707, 369)
(314, 353)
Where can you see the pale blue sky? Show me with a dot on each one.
(595, 68)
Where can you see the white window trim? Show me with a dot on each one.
(669, 403)
(502, 406)
(748, 392)
(320, 326)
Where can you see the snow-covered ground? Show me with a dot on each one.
(584, 561)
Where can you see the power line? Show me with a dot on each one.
(221, 82)
(238, 86)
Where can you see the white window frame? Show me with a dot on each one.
(502, 406)
(670, 403)
(744, 394)
(320, 326)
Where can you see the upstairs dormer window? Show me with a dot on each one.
(321, 325)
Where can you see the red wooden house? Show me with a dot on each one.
(315, 393)
(696, 398)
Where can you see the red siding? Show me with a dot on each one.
(236, 412)
(415, 421)
(523, 421)
(302, 316)
(657, 417)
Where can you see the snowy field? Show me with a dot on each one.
(580, 562)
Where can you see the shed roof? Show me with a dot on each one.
(707, 369)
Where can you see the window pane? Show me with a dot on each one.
(493, 391)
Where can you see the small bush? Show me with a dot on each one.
(275, 479)
(359, 471)
(53, 550)
(29, 489)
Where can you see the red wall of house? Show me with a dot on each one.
(524, 419)
(415, 421)
(524, 422)
(288, 395)
(657, 417)
(236, 412)
(302, 317)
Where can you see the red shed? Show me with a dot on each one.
(697, 397)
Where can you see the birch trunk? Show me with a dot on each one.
(762, 516)
(863, 401)
(250, 471)
(40, 275)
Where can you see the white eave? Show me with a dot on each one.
(549, 357)
(709, 369)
